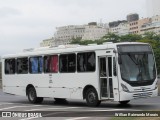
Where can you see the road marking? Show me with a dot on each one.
(112, 110)
(145, 103)
(77, 118)
(17, 107)
(5, 103)
(51, 108)
(90, 109)
(29, 118)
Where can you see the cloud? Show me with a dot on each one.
(25, 23)
(7, 11)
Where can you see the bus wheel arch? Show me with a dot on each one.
(32, 94)
(90, 92)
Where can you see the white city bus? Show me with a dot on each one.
(112, 71)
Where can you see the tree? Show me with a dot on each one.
(156, 48)
(152, 36)
(86, 42)
(130, 38)
(110, 37)
(76, 40)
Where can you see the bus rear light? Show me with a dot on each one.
(125, 89)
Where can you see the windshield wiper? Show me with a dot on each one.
(135, 61)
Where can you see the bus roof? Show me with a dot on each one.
(67, 49)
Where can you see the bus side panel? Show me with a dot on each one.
(44, 92)
(15, 90)
(76, 93)
(71, 85)
(61, 92)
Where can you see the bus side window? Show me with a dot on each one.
(35, 64)
(86, 62)
(54, 64)
(10, 66)
(91, 61)
(22, 65)
(51, 64)
(67, 63)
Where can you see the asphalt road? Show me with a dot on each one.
(73, 109)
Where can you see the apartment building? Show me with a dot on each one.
(135, 26)
(121, 29)
(67, 33)
(47, 42)
(94, 32)
(152, 26)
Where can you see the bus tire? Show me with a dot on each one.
(32, 96)
(92, 98)
(124, 102)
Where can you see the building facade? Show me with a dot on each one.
(94, 32)
(121, 29)
(135, 26)
(47, 42)
(66, 33)
(152, 26)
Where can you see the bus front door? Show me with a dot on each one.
(105, 76)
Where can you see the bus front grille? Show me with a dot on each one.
(142, 89)
(142, 95)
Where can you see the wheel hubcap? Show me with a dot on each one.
(32, 95)
(91, 97)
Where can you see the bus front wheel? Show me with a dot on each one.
(32, 96)
(92, 97)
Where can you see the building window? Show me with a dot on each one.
(10, 66)
(22, 65)
(86, 62)
(51, 64)
(35, 65)
(67, 63)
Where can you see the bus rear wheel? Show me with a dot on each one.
(32, 96)
(124, 102)
(92, 98)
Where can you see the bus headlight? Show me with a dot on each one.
(125, 89)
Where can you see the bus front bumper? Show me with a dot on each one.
(124, 96)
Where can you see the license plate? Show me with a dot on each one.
(143, 94)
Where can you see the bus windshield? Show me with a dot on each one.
(137, 68)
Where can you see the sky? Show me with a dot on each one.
(25, 23)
